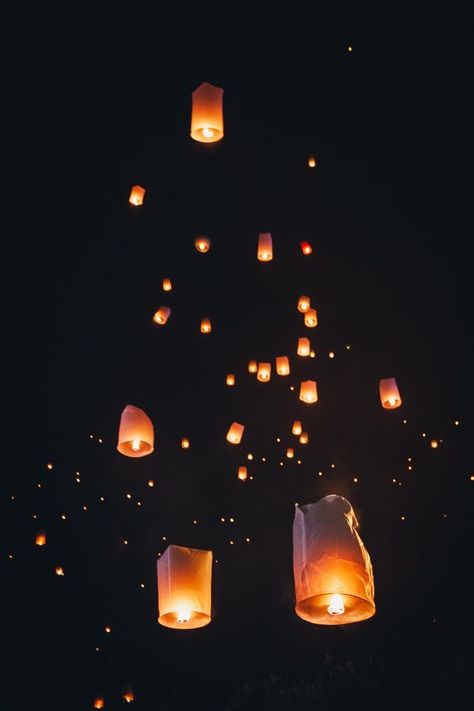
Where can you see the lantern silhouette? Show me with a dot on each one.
(290, 452)
(311, 162)
(128, 695)
(162, 315)
(99, 702)
(311, 318)
(185, 443)
(40, 539)
(136, 435)
(304, 347)
(253, 366)
(206, 325)
(234, 435)
(304, 303)
(306, 248)
(264, 372)
(184, 587)
(242, 473)
(230, 379)
(333, 575)
(389, 394)
(137, 195)
(202, 244)
(308, 391)
(265, 247)
(282, 365)
(167, 286)
(207, 120)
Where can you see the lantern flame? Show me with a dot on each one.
(392, 401)
(207, 132)
(336, 605)
(136, 444)
(183, 616)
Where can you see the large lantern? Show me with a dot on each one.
(136, 436)
(264, 372)
(206, 325)
(311, 318)
(162, 315)
(184, 587)
(308, 391)
(137, 195)
(265, 247)
(304, 347)
(202, 244)
(334, 583)
(282, 365)
(304, 303)
(207, 120)
(389, 394)
(234, 435)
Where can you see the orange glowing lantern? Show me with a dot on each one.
(282, 365)
(265, 247)
(167, 285)
(59, 570)
(202, 244)
(234, 435)
(253, 366)
(162, 315)
(308, 391)
(311, 162)
(297, 428)
(304, 438)
(137, 195)
(264, 372)
(207, 120)
(334, 582)
(230, 380)
(306, 248)
(242, 473)
(311, 318)
(206, 325)
(304, 303)
(304, 347)
(99, 702)
(290, 452)
(389, 395)
(136, 435)
(40, 539)
(185, 443)
(184, 587)
(128, 695)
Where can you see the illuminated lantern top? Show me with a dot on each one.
(136, 435)
(202, 244)
(306, 248)
(265, 247)
(207, 119)
(389, 394)
(137, 195)
(311, 162)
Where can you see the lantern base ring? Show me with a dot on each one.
(315, 609)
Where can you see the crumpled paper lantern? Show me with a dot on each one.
(207, 118)
(136, 434)
(389, 394)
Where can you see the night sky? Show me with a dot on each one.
(106, 105)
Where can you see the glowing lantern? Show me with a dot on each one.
(184, 587)
(306, 248)
(128, 696)
(311, 318)
(162, 315)
(389, 395)
(304, 303)
(304, 347)
(207, 120)
(264, 372)
(185, 443)
(311, 162)
(304, 439)
(434, 443)
(99, 702)
(136, 435)
(137, 195)
(242, 473)
(167, 286)
(40, 539)
(334, 583)
(265, 247)
(308, 391)
(234, 435)
(290, 453)
(282, 365)
(252, 366)
(206, 325)
(59, 570)
(202, 244)
(230, 380)
(297, 428)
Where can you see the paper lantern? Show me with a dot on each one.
(304, 438)
(59, 570)
(162, 315)
(290, 452)
(206, 325)
(207, 120)
(137, 195)
(185, 443)
(389, 395)
(234, 435)
(136, 435)
(230, 379)
(242, 473)
(253, 366)
(264, 372)
(167, 286)
(333, 577)
(311, 318)
(99, 702)
(306, 248)
(304, 303)
(282, 365)
(184, 587)
(308, 391)
(40, 539)
(265, 247)
(297, 428)
(202, 244)
(311, 162)
(304, 347)
(128, 695)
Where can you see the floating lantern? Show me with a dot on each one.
(206, 325)
(207, 120)
(230, 379)
(99, 702)
(59, 570)
(234, 435)
(304, 438)
(264, 372)
(185, 443)
(136, 435)
(306, 248)
(304, 347)
(40, 539)
(389, 395)
(304, 303)
(311, 318)
(162, 315)
(265, 247)
(312, 354)
(311, 162)
(308, 391)
(137, 195)
(167, 286)
(290, 452)
(128, 695)
(282, 365)
(242, 473)
(297, 428)
(333, 576)
(434, 444)
(184, 587)
(253, 366)
(202, 244)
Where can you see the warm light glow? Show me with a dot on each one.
(99, 703)
(304, 303)
(183, 616)
(336, 605)
(49, 465)
(136, 445)
(136, 434)
(137, 195)
(185, 443)
(265, 247)
(304, 347)
(202, 244)
(297, 428)
(434, 443)
(282, 365)
(290, 453)
(304, 438)
(242, 473)
(306, 247)
(207, 120)
(129, 696)
(331, 354)
(151, 483)
(389, 394)
(311, 162)
(264, 372)
(59, 570)
(208, 133)
(206, 325)
(230, 379)
(234, 435)
(252, 366)
(40, 539)
(167, 286)
(162, 315)
(308, 391)
(311, 318)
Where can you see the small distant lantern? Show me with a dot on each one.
(389, 394)
(59, 570)
(184, 587)
(311, 318)
(311, 162)
(99, 702)
(202, 244)
(297, 428)
(128, 695)
(434, 444)
(304, 438)
(167, 286)
(253, 366)
(136, 434)
(290, 452)
(207, 119)
(264, 372)
(137, 195)
(282, 365)
(334, 582)
(265, 247)
(242, 473)
(206, 325)
(234, 435)
(185, 443)
(304, 347)
(162, 315)
(304, 303)
(40, 539)
(306, 248)
(230, 379)
(308, 391)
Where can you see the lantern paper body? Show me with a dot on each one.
(282, 365)
(311, 318)
(306, 248)
(162, 315)
(290, 453)
(389, 395)
(242, 473)
(331, 566)
(137, 195)
(234, 435)
(265, 247)
(264, 372)
(304, 438)
(308, 391)
(311, 162)
(207, 119)
(99, 703)
(304, 303)
(297, 428)
(253, 366)
(304, 347)
(167, 286)
(136, 435)
(230, 380)
(184, 587)
(202, 244)
(40, 539)
(185, 443)
(206, 325)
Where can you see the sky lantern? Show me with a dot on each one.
(282, 365)
(253, 366)
(40, 539)
(230, 379)
(99, 702)
(304, 438)
(264, 372)
(185, 443)
(167, 285)
(202, 243)
(304, 347)
(265, 247)
(207, 119)
(206, 325)
(304, 303)
(311, 318)
(306, 248)
(59, 570)
(184, 587)
(308, 391)
(311, 162)
(137, 195)
(162, 315)
(234, 435)
(297, 428)
(334, 583)
(242, 473)
(290, 452)
(389, 395)
(128, 695)
(136, 435)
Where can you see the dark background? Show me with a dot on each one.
(103, 104)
